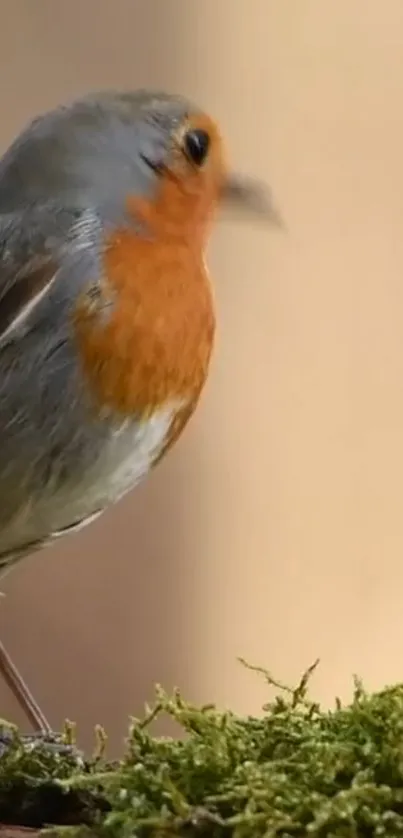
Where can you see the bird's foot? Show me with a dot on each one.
(56, 744)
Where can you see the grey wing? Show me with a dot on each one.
(26, 275)
(32, 252)
(28, 268)
(42, 441)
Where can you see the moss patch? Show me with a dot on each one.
(296, 771)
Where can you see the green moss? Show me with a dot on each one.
(296, 771)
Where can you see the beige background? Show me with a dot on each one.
(275, 529)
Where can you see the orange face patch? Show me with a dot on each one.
(155, 345)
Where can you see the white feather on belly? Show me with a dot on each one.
(126, 458)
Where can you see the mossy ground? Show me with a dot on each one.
(295, 771)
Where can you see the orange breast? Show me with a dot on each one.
(155, 342)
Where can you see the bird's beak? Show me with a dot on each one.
(251, 197)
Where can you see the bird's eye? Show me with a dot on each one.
(196, 144)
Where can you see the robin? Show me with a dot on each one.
(106, 312)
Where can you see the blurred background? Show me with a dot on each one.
(274, 530)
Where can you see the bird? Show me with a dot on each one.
(107, 314)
